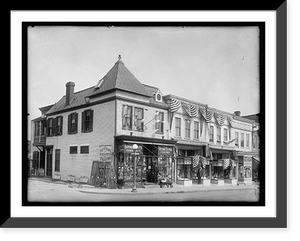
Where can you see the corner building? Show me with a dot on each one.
(89, 136)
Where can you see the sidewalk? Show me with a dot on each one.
(149, 189)
(157, 190)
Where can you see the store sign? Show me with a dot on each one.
(128, 148)
(106, 153)
(165, 151)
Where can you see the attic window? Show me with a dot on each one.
(158, 96)
(99, 84)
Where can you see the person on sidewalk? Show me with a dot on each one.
(199, 176)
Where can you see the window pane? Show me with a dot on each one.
(84, 149)
(73, 149)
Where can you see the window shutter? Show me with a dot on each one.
(76, 121)
(54, 126)
(69, 124)
(91, 120)
(83, 121)
(61, 126)
(47, 127)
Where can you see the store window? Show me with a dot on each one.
(184, 168)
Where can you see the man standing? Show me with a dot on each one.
(199, 176)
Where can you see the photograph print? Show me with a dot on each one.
(157, 114)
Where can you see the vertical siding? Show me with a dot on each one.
(102, 134)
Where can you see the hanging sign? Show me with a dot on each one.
(106, 153)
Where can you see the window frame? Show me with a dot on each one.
(84, 146)
(247, 140)
(225, 135)
(87, 125)
(73, 127)
(70, 147)
(219, 135)
(125, 118)
(237, 144)
(187, 128)
(57, 160)
(211, 134)
(196, 130)
(178, 127)
(242, 140)
(159, 122)
(138, 124)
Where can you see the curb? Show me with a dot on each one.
(143, 192)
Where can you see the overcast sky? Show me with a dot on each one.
(217, 66)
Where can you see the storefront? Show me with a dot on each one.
(154, 161)
(186, 168)
(224, 167)
(245, 169)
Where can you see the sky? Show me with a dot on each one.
(217, 66)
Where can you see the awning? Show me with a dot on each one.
(146, 140)
(256, 159)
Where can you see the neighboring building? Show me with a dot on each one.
(88, 136)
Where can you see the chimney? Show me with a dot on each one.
(69, 92)
(237, 113)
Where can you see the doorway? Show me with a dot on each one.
(151, 169)
(49, 162)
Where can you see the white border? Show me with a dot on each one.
(17, 17)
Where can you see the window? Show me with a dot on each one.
(127, 117)
(159, 124)
(87, 121)
(218, 134)
(178, 126)
(187, 128)
(211, 134)
(50, 127)
(84, 149)
(57, 160)
(196, 129)
(236, 139)
(225, 135)
(242, 139)
(73, 149)
(247, 140)
(58, 125)
(36, 128)
(138, 119)
(72, 123)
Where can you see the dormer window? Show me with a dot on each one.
(99, 84)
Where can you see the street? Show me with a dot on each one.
(44, 190)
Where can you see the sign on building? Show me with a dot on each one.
(106, 153)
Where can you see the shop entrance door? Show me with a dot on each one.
(151, 169)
